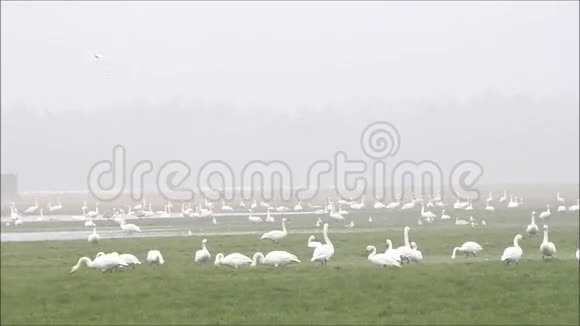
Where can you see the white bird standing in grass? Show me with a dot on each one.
(104, 263)
(545, 214)
(445, 216)
(323, 252)
(93, 214)
(532, 227)
(547, 248)
(254, 219)
(467, 248)
(269, 218)
(155, 257)
(202, 255)
(311, 243)
(234, 260)
(226, 208)
(427, 214)
(274, 258)
(383, 260)
(32, 208)
(94, 237)
(562, 209)
(129, 228)
(276, 235)
(514, 253)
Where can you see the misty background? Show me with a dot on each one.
(294, 81)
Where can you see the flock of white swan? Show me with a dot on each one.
(322, 251)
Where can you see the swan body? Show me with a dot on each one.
(574, 208)
(461, 222)
(274, 258)
(547, 248)
(335, 215)
(32, 208)
(489, 208)
(394, 204)
(103, 263)
(93, 214)
(393, 252)
(90, 223)
(383, 260)
(350, 225)
(445, 216)
(514, 253)
(129, 228)
(545, 214)
(276, 235)
(94, 237)
(234, 260)
(202, 255)
(427, 214)
(378, 205)
(562, 209)
(269, 218)
(225, 207)
(323, 252)
(359, 206)
(298, 207)
(370, 219)
(155, 257)
(311, 243)
(254, 219)
(532, 227)
(468, 248)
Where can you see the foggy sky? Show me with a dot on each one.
(294, 81)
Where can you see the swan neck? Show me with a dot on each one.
(373, 251)
(258, 258)
(325, 234)
(516, 240)
(406, 236)
(454, 252)
(546, 236)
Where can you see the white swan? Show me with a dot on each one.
(468, 248)
(298, 207)
(409, 205)
(560, 199)
(532, 227)
(393, 252)
(274, 258)
(276, 235)
(103, 263)
(254, 219)
(545, 214)
(335, 215)
(129, 259)
(358, 206)
(514, 253)
(489, 208)
(323, 252)
(202, 255)
(129, 228)
(504, 197)
(416, 254)
(574, 208)
(469, 206)
(350, 225)
(155, 257)
(512, 203)
(383, 259)
(93, 214)
(445, 216)
(269, 218)
(562, 209)
(406, 249)
(370, 219)
(311, 243)
(90, 223)
(94, 237)
(461, 222)
(32, 208)
(234, 260)
(427, 214)
(378, 204)
(226, 208)
(547, 248)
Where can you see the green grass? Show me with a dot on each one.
(37, 289)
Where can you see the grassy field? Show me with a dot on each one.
(37, 289)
